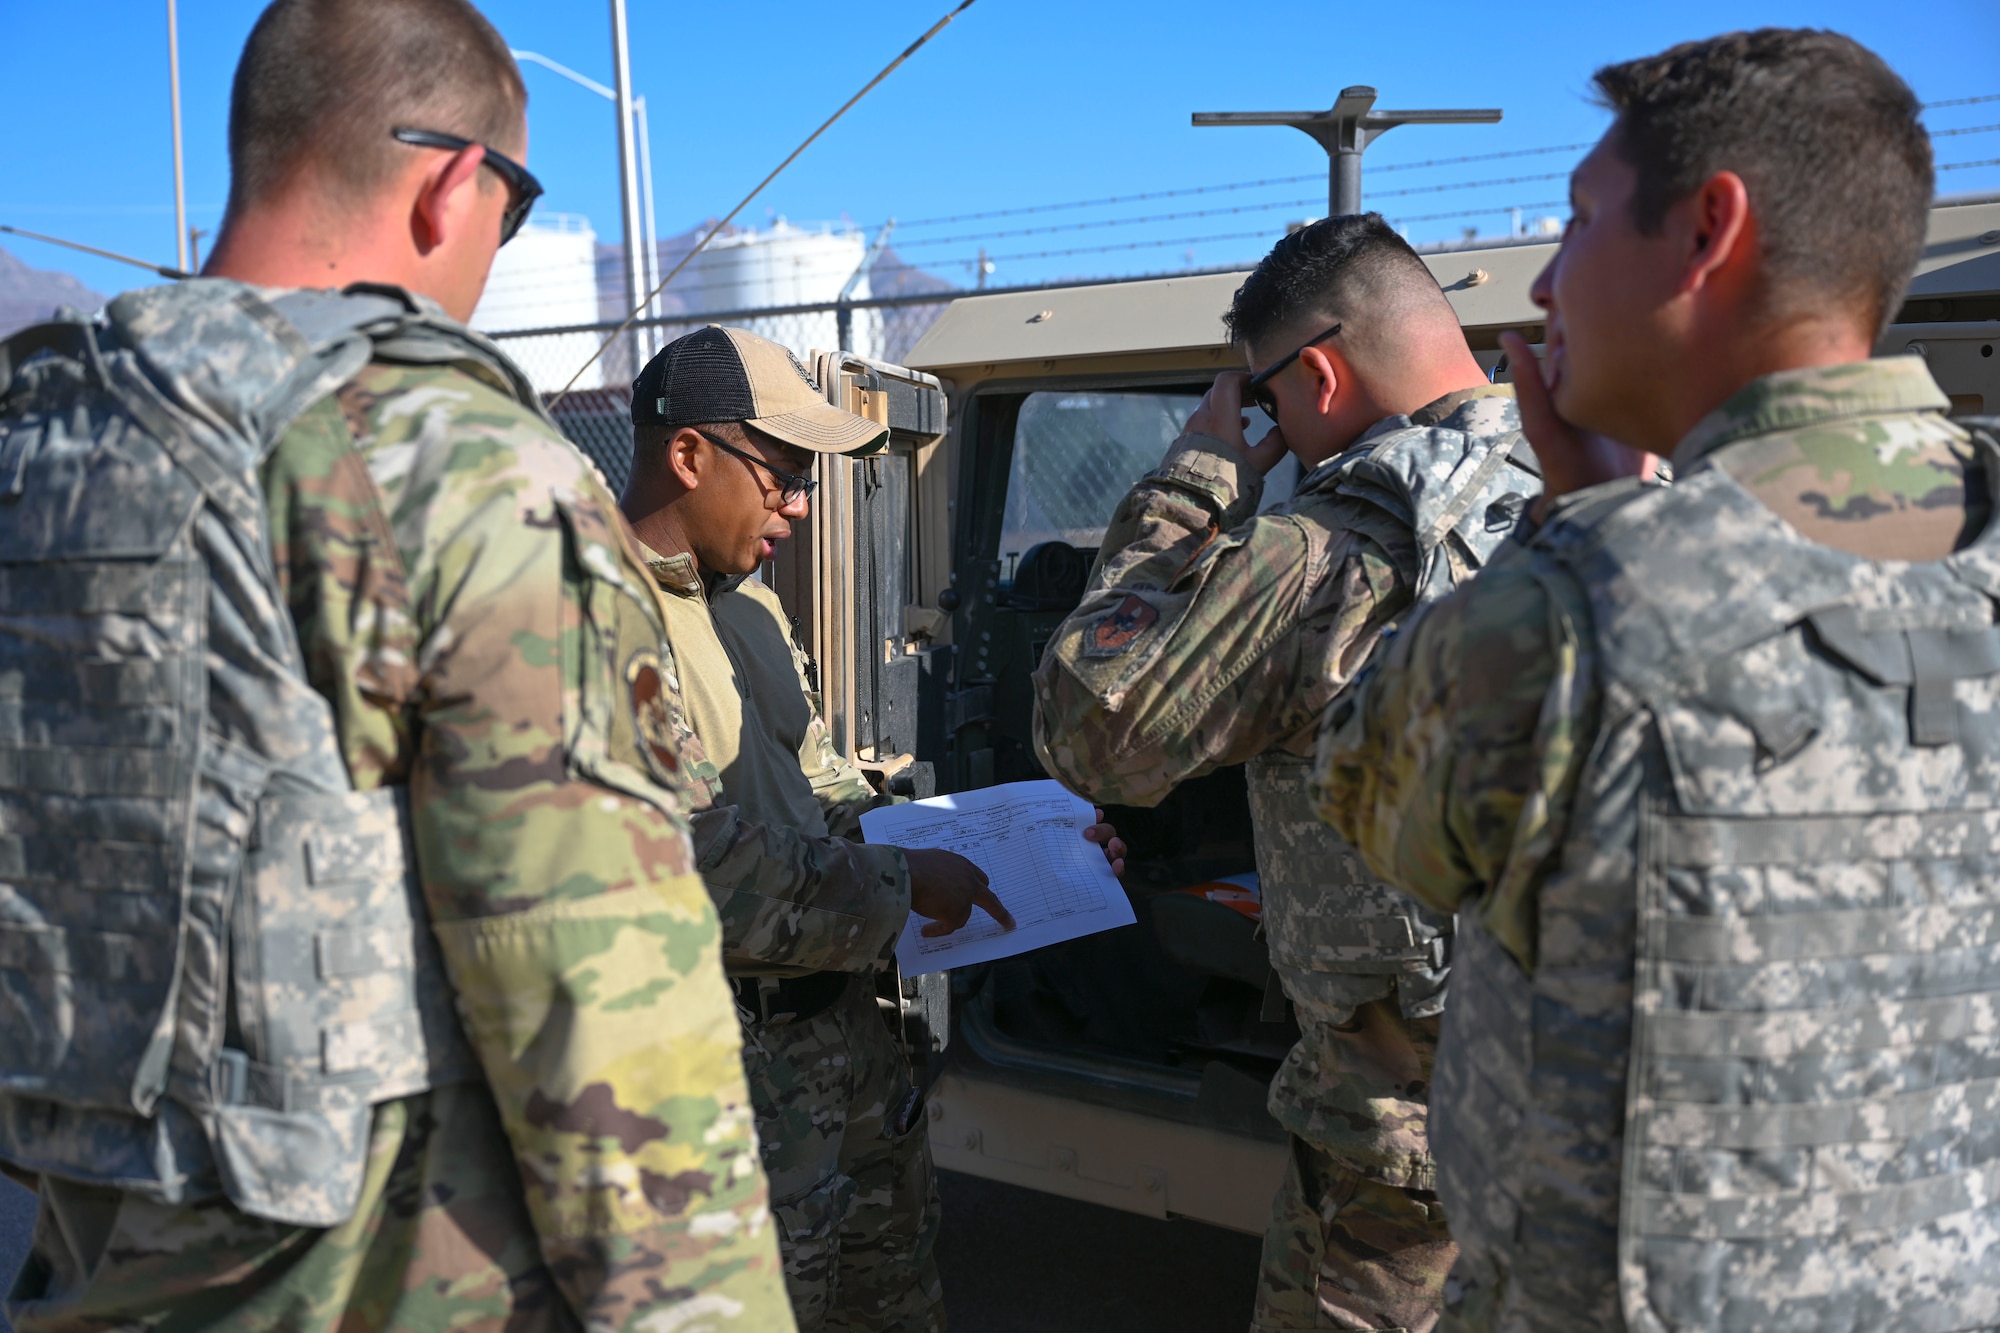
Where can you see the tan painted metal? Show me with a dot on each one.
(1098, 1154)
(1078, 1149)
(984, 337)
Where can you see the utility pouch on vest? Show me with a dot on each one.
(341, 994)
(213, 956)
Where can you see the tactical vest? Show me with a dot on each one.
(1338, 937)
(1754, 1079)
(214, 957)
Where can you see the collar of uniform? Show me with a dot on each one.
(1434, 413)
(1810, 396)
(678, 574)
(1440, 410)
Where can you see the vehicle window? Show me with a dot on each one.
(1077, 453)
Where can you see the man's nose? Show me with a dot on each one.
(1540, 290)
(796, 509)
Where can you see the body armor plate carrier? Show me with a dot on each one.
(1753, 1081)
(1338, 937)
(214, 956)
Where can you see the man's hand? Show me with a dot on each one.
(1571, 459)
(1107, 837)
(1220, 414)
(945, 887)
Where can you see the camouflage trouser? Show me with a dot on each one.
(1343, 1251)
(856, 1204)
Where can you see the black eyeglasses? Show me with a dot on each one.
(1258, 390)
(526, 189)
(791, 487)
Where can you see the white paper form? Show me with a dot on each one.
(1028, 838)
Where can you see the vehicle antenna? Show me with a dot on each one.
(716, 230)
(160, 269)
(1345, 130)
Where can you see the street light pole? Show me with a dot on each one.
(650, 270)
(1345, 130)
(180, 175)
(628, 176)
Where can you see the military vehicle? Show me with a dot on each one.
(1127, 1068)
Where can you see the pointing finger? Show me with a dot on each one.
(996, 909)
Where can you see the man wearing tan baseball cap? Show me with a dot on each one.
(725, 428)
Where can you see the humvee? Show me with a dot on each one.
(1127, 1068)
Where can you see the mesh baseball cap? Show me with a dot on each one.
(723, 374)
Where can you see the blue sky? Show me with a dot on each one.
(1019, 102)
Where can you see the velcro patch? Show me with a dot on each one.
(1121, 628)
(650, 719)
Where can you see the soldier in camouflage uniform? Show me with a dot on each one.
(471, 640)
(1212, 635)
(726, 424)
(1707, 770)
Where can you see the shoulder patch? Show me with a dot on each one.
(651, 722)
(1121, 627)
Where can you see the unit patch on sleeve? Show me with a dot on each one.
(650, 717)
(1121, 628)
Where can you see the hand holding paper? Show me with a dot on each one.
(1028, 838)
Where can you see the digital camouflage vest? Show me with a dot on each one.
(1338, 937)
(214, 959)
(1752, 1082)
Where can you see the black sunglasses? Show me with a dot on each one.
(526, 189)
(791, 487)
(1258, 391)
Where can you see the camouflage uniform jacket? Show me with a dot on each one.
(468, 601)
(777, 811)
(1212, 635)
(1710, 771)
(1450, 768)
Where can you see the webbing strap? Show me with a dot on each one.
(1497, 457)
(101, 954)
(77, 771)
(1889, 1208)
(1797, 936)
(1829, 1030)
(1697, 842)
(1766, 1126)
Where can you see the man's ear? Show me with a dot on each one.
(687, 454)
(432, 218)
(1721, 231)
(1327, 374)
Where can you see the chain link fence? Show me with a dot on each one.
(596, 413)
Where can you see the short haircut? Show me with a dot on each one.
(322, 83)
(1825, 136)
(1330, 268)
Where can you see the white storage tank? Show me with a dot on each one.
(546, 277)
(783, 266)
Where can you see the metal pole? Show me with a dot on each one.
(1345, 196)
(628, 173)
(651, 268)
(1345, 130)
(180, 174)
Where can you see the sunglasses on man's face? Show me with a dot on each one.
(1258, 390)
(792, 488)
(522, 186)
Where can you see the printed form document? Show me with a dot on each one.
(1028, 838)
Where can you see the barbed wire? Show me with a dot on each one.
(1242, 235)
(1233, 185)
(1963, 101)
